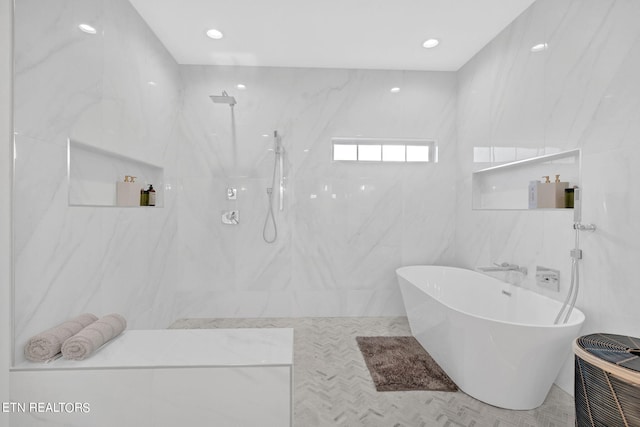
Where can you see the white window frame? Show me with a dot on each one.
(359, 141)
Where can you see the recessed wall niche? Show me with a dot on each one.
(505, 187)
(93, 175)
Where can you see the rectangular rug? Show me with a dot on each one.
(401, 364)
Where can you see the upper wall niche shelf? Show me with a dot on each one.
(505, 187)
(94, 172)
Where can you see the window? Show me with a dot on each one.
(393, 153)
(383, 150)
(369, 153)
(345, 152)
(418, 153)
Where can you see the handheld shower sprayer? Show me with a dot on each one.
(278, 168)
(577, 205)
(577, 212)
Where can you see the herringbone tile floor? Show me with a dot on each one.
(333, 386)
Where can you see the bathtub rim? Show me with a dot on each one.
(577, 316)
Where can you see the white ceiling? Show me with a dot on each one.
(372, 34)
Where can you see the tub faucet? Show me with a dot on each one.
(505, 266)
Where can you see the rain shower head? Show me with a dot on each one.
(225, 98)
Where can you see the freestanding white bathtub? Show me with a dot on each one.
(495, 340)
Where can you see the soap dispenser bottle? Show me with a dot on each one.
(152, 195)
(560, 187)
(546, 193)
(551, 194)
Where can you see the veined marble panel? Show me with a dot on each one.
(94, 88)
(583, 94)
(209, 374)
(58, 83)
(345, 227)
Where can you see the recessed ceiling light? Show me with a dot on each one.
(395, 89)
(214, 34)
(241, 86)
(539, 47)
(87, 28)
(430, 43)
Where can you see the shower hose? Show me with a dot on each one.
(570, 300)
(270, 215)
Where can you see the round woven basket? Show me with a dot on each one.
(607, 380)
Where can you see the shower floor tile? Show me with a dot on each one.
(333, 386)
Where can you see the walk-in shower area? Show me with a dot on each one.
(258, 187)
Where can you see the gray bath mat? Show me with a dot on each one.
(401, 364)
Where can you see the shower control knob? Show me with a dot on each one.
(232, 193)
(230, 217)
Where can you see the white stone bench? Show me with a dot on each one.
(172, 377)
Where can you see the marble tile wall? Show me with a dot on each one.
(580, 92)
(345, 227)
(344, 230)
(118, 90)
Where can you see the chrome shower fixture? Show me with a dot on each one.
(576, 256)
(225, 98)
(278, 169)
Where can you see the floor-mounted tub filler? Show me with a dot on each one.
(497, 341)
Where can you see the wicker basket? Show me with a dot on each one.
(607, 380)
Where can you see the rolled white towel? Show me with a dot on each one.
(46, 345)
(88, 340)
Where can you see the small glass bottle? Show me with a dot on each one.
(569, 197)
(144, 197)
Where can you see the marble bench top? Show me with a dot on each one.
(174, 348)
